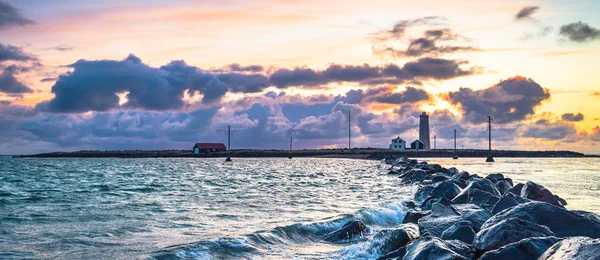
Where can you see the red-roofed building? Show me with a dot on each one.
(209, 147)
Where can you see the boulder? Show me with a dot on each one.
(422, 194)
(508, 231)
(430, 201)
(429, 247)
(573, 248)
(562, 222)
(516, 189)
(503, 185)
(472, 213)
(494, 177)
(534, 191)
(528, 248)
(452, 171)
(414, 175)
(439, 177)
(440, 219)
(349, 231)
(396, 254)
(462, 231)
(477, 197)
(413, 216)
(389, 240)
(509, 200)
(588, 215)
(446, 190)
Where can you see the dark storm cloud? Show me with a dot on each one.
(13, 53)
(550, 131)
(579, 32)
(5, 102)
(510, 100)
(572, 117)
(428, 44)
(526, 12)
(424, 68)
(10, 85)
(239, 68)
(10, 16)
(408, 96)
(48, 79)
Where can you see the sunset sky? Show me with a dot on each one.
(86, 75)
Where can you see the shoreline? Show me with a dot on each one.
(458, 215)
(315, 153)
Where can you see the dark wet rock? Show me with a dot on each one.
(393, 172)
(574, 248)
(409, 204)
(516, 189)
(562, 222)
(389, 240)
(413, 216)
(508, 231)
(494, 177)
(452, 171)
(503, 185)
(484, 185)
(447, 190)
(422, 194)
(349, 231)
(474, 177)
(430, 201)
(473, 214)
(534, 191)
(588, 215)
(528, 248)
(429, 247)
(396, 254)
(509, 200)
(439, 177)
(440, 219)
(478, 197)
(414, 175)
(462, 231)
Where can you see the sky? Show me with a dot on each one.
(127, 75)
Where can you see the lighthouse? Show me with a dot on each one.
(424, 130)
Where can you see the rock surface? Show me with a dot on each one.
(347, 232)
(433, 248)
(508, 231)
(534, 191)
(574, 248)
(528, 248)
(562, 222)
(462, 231)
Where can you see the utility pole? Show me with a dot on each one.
(349, 144)
(490, 158)
(455, 154)
(228, 144)
(434, 142)
(290, 156)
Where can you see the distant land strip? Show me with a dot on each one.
(364, 153)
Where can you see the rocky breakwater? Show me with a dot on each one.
(458, 215)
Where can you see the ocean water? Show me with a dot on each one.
(264, 208)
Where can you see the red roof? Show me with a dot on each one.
(210, 146)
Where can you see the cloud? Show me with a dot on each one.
(510, 100)
(526, 12)
(410, 95)
(48, 79)
(239, 68)
(62, 48)
(572, 117)
(543, 129)
(596, 94)
(399, 29)
(579, 32)
(10, 16)
(5, 102)
(424, 68)
(10, 85)
(428, 44)
(13, 53)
